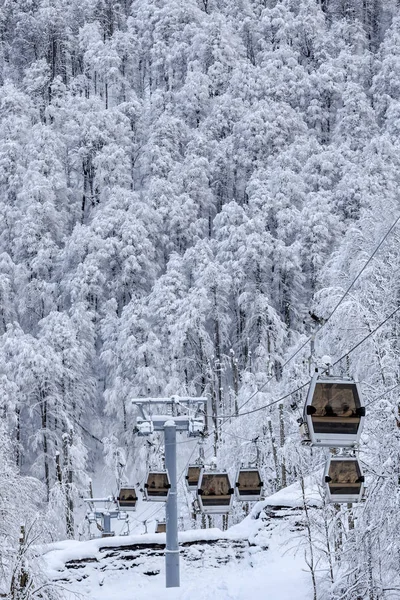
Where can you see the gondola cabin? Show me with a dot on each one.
(127, 498)
(215, 493)
(334, 412)
(157, 486)
(248, 485)
(161, 527)
(192, 477)
(343, 480)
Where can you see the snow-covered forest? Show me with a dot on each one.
(182, 182)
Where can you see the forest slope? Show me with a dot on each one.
(181, 183)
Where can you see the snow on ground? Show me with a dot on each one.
(276, 576)
(292, 496)
(260, 557)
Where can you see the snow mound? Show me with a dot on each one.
(292, 496)
(259, 553)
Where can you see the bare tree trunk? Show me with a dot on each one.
(20, 577)
(339, 536)
(194, 515)
(350, 516)
(214, 412)
(274, 453)
(69, 504)
(328, 543)
(218, 354)
(18, 436)
(235, 378)
(43, 408)
(58, 468)
(282, 443)
(309, 560)
(371, 595)
(225, 520)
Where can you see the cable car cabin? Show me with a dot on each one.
(127, 498)
(192, 477)
(157, 486)
(343, 480)
(334, 412)
(215, 493)
(249, 485)
(161, 527)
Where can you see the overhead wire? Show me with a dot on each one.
(325, 321)
(228, 417)
(280, 399)
(157, 510)
(382, 241)
(382, 395)
(318, 330)
(238, 437)
(299, 388)
(250, 412)
(289, 394)
(367, 336)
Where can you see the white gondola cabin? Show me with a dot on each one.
(248, 485)
(157, 486)
(161, 527)
(127, 498)
(334, 412)
(343, 480)
(192, 477)
(215, 493)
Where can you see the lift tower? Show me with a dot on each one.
(172, 414)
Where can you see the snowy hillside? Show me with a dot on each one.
(239, 564)
(198, 198)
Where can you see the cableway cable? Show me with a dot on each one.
(322, 325)
(157, 510)
(227, 417)
(382, 395)
(367, 336)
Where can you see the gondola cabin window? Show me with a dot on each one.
(344, 481)
(127, 498)
(157, 486)
(345, 477)
(215, 493)
(336, 408)
(192, 477)
(215, 485)
(248, 485)
(161, 527)
(334, 412)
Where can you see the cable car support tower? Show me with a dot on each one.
(170, 421)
